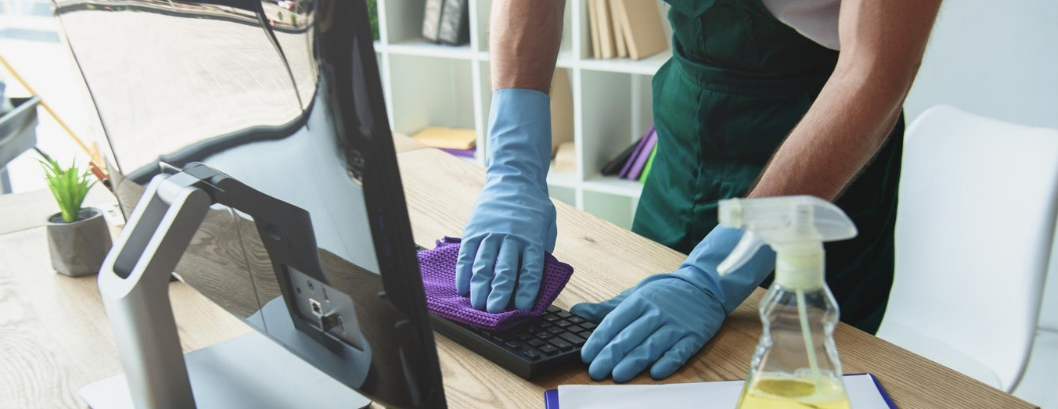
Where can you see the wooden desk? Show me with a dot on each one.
(54, 337)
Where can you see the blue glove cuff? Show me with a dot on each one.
(519, 141)
(700, 268)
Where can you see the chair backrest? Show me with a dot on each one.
(1049, 305)
(976, 217)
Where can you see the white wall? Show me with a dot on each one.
(994, 58)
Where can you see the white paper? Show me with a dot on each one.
(863, 394)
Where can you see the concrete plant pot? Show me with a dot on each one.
(78, 248)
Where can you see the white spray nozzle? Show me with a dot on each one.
(745, 249)
(794, 226)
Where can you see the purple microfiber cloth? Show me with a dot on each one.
(438, 267)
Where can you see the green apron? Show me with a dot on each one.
(738, 82)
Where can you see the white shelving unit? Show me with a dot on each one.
(439, 85)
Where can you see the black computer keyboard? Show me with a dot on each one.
(529, 349)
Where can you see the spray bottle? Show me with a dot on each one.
(796, 363)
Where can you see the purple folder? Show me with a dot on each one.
(466, 153)
(641, 160)
(639, 148)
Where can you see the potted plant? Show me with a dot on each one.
(78, 238)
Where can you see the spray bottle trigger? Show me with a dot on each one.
(744, 250)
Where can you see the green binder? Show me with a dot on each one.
(650, 161)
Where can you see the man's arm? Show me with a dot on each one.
(526, 36)
(512, 226)
(882, 43)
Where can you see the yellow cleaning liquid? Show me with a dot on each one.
(793, 393)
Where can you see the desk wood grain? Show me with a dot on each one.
(32, 209)
(54, 337)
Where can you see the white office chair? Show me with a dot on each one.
(1037, 384)
(978, 199)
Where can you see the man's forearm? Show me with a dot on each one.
(837, 137)
(882, 43)
(526, 35)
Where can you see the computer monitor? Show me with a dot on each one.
(283, 97)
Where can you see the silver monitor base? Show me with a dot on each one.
(250, 371)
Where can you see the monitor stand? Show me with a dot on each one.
(250, 371)
(246, 372)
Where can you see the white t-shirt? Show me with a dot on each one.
(815, 19)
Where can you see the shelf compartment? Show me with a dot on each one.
(614, 185)
(430, 91)
(615, 111)
(619, 210)
(561, 179)
(646, 66)
(422, 48)
(563, 194)
(400, 21)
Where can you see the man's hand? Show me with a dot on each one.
(513, 222)
(661, 323)
(667, 318)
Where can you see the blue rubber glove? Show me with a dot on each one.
(513, 222)
(667, 318)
